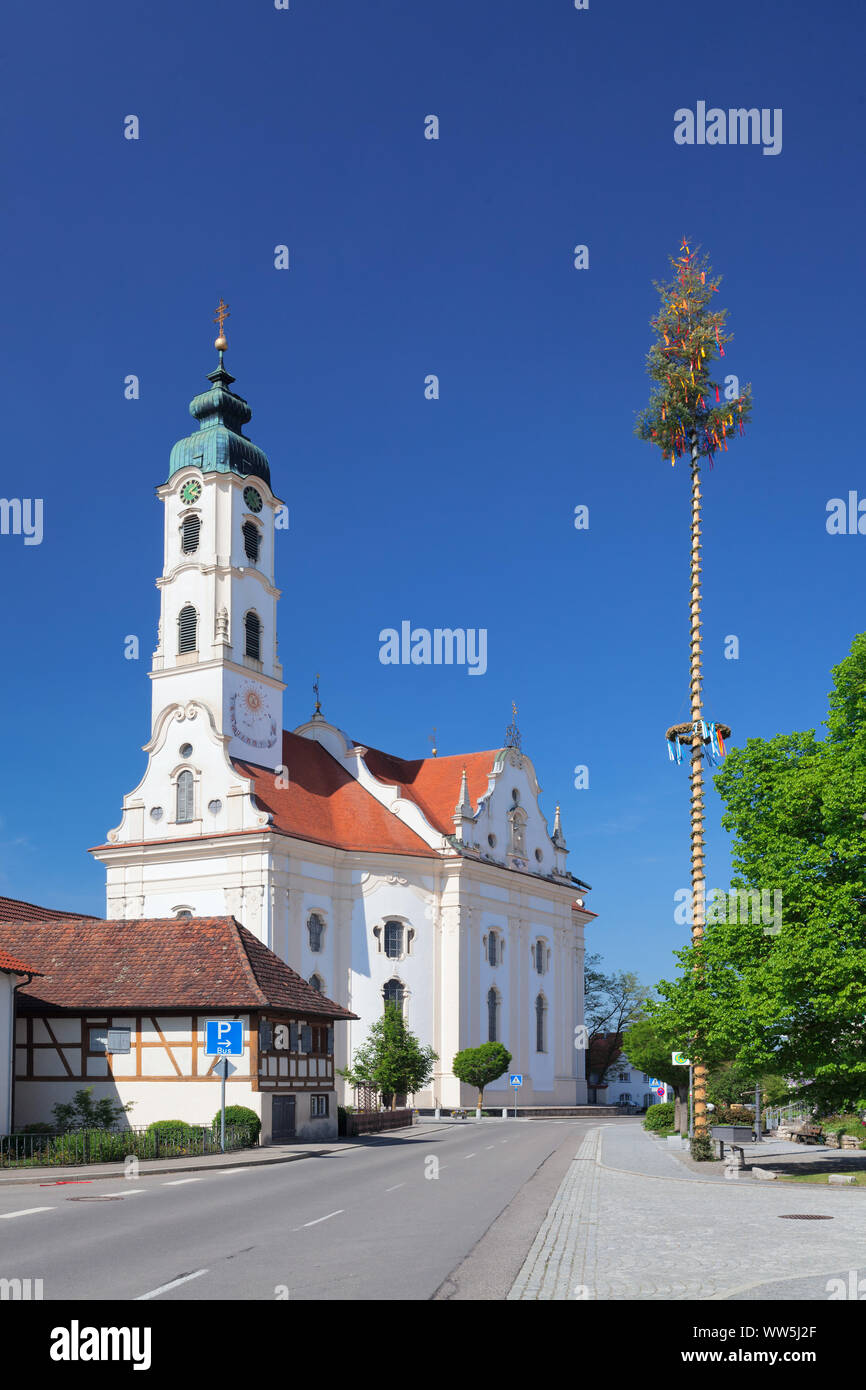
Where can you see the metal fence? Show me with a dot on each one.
(113, 1146)
(779, 1114)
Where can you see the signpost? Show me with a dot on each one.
(515, 1080)
(223, 1038)
(678, 1059)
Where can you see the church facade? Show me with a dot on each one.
(434, 884)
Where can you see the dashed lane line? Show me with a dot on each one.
(394, 1188)
(174, 1283)
(179, 1182)
(27, 1211)
(322, 1218)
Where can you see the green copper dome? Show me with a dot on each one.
(219, 446)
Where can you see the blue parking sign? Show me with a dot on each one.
(516, 1080)
(224, 1037)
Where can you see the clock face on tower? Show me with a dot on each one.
(252, 499)
(191, 491)
(252, 720)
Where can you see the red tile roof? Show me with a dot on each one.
(434, 783)
(14, 965)
(13, 910)
(325, 804)
(158, 963)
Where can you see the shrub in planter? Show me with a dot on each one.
(659, 1116)
(237, 1117)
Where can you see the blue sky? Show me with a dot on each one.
(306, 127)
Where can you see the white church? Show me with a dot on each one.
(433, 883)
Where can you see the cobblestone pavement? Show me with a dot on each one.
(629, 1221)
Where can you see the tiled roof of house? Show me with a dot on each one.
(434, 783)
(14, 910)
(325, 804)
(157, 963)
(14, 965)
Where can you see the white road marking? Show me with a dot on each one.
(472, 1155)
(394, 1188)
(324, 1218)
(224, 1172)
(179, 1182)
(136, 1192)
(164, 1288)
(27, 1211)
(489, 1146)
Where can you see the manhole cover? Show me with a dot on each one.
(789, 1216)
(92, 1198)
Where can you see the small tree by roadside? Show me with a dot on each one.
(478, 1066)
(391, 1060)
(83, 1112)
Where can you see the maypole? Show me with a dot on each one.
(683, 417)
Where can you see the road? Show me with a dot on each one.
(394, 1217)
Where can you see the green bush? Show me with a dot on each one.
(659, 1116)
(172, 1129)
(240, 1117)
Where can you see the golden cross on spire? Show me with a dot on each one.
(220, 317)
(316, 693)
(432, 738)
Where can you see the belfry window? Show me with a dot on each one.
(189, 535)
(187, 624)
(252, 541)
(185, 796)
(253, 630)
(540, 1024)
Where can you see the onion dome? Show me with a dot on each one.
(219, 446)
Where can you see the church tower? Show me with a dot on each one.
(217, 640)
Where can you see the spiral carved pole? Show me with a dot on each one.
(697, 771)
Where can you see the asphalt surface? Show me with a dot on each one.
(448, 1214)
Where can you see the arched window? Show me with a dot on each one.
(315, 928)
(394, 993)
(252, 541)
(185, 796)
(539, 957)
(253, 629)
(189, 536)
(187, 622)
(540, 1024)
(394, 940)
(317, 983)
(492, 1016)
(492, 949)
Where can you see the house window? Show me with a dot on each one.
(315, 928)
(187, 622)
(492, 1016)
(540, 1024)
(266, 1035)
(185, 796)
(189, 535)
(252, 540)
(624, 1076)
(393, 940)
(394, 993)
(253, 630)
(109, 1039)
(492, 952)
(317, 983)
(318, 1107)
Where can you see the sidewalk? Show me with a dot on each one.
(632, 1221)
(239, 1158)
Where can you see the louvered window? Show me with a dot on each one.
(253, 628)
(539, 957)
(186, 629)
(185, 797)
(252, 541)
(491, 948)
(189, 534)
(540, 1025)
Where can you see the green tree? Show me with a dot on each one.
(83, 1112)
(391, 1059)
(791, 1001)
(649, 1045)
(611, 1003)
(478, 1066)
